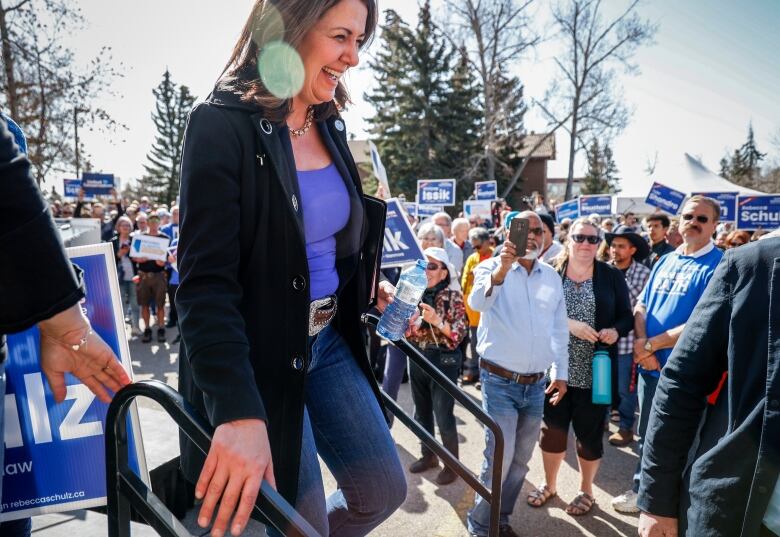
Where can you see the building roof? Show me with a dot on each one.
(546, 150)
(360, 151)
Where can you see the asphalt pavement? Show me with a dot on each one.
(429, 510)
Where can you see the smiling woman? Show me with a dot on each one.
(278, 251)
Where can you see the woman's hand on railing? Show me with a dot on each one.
(237, 463)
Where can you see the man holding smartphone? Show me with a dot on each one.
(522, 340)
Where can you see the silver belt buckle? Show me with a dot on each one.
(321, 313)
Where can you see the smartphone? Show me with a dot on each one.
(518, 234)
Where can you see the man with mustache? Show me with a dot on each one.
(522, 334)
(676, 284)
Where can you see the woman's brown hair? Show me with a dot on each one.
(288, 21)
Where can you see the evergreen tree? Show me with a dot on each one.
(744, 166)
(173, 105)
(509, 129)
(464, 122)
(751, 158)
(413, 71)
(601, 177)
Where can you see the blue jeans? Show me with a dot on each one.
(646, 388)
(628, 400)
(129, 300)
(344, 424)
(517, 408)
(14, 528)
(395, 365)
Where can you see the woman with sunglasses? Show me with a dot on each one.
(442, 327)
(599, 311)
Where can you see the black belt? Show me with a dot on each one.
(519, 378)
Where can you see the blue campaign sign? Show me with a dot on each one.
(486, 190)
(436, 192)
(754, 212)
(97, 184)
(596, 204)
(70, 188)
(55, 453)
(663, 197)
(400, 244)
(728, 203)
(568, 209)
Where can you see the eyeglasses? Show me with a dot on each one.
(434, 266)
(592, 239)
(699, 218)
(536, 231)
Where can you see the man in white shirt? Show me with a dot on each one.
(523, 333)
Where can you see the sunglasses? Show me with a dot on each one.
(699, 218)
(592, 239)
(434, 266)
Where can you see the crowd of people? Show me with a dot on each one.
(146, 286)
(616, 284)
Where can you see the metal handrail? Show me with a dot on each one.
(125, 489)
(492, 496)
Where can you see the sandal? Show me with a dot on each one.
(581, 504)
(539, 496)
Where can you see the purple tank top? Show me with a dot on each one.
(325, 203)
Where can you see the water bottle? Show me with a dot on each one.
(602, 378)
(408, 293)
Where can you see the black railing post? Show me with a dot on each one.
(493, 496)
(125, 489)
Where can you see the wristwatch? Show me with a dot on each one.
(648, 346)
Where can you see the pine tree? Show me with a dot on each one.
(410, 100)
(173, 105)
(744, 166)
(601, 177)
(751, 158)
(464, 122)
(509, 129)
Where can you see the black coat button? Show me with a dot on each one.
(298, 363)
(299, 283)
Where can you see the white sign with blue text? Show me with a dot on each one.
(55, 452)
(400, 245)
(486, 190)
(665, 198)
(436, 192)
(758, 212)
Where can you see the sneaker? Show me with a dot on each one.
(625, 503)
(424, 463)
(147, 336)
(506, 531)
(622, 438)
(446, 476)
(161, 335)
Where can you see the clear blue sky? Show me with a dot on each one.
(714, 68)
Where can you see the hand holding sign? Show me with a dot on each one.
(92, 362)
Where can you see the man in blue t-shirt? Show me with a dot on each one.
(676, 283)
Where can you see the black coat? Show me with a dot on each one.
(613, 303)
(735, 327)
(39, 281)
(243, 300)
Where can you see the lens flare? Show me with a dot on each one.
(281, 69)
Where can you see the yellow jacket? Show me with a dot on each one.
(467, 282)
